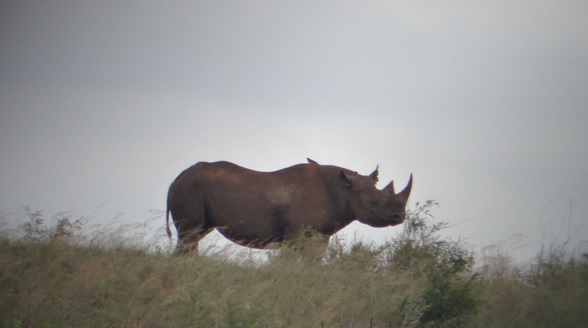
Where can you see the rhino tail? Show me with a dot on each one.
(167, 229)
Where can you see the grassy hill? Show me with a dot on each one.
(55, 276)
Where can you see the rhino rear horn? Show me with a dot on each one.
(390, 188)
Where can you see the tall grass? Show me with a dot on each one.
(57, 274)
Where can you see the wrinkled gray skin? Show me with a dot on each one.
(257, 208)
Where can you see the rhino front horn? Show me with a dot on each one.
(405, 193)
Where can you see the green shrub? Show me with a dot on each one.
(450, 298)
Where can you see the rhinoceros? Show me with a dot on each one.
(255, 209)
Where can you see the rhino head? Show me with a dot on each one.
(376, 208)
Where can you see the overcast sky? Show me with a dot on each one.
(486, 102)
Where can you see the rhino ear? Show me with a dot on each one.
(346, 179)
(310, 161)
(374, 175)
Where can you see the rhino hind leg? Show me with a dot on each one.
(188, 240)
(191, 226)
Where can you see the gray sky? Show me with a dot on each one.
(485, 102)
